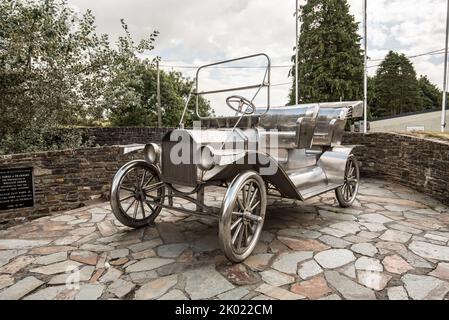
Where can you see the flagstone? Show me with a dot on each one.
(299, 233)
(303, 245)
(313, 288)
(20, 288)
(288, 262)
(18, 244)
(90, 292)
(51, 258)
(106, 228)
(144, 254)
(347, 288)
(368, 264)
(52, 293)
(73, 277)
(85, 257)
(6, 281)
(66, 240)
(148, 264)
(171, 250)
(65, 266)
(366, 249)
(374, 280)
(425, 287)
(198, 283)
(96, 247)
(17, 264)
(334, 232)
(335, 242)
(143, 276)
(396, 264)
(145, 245)
(51, 250)
(405, 228)
(373, 227)
(442, 271)
(436, 237)
(396, 236)
(348, 227)
(278, 293)
(259, 262)
(276, 278)
(397, 293)
(121, 288)
(119, 253)
(430, 251)
(238, 274)
(375, 218)
(334, 258)
(309, 269)
(176, 294)
(8, 255)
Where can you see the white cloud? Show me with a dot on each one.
(201, 31)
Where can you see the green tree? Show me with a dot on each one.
(330, 58)
(397, 89)
(431, 96)
(143, 112)
(55, 71)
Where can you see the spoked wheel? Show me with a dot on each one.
(347, 193)
(242, 216)
(136, 190)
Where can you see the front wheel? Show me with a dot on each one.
(347, 193)
(242, 216)
(137, 193)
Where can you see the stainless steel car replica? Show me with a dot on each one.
(291, 152)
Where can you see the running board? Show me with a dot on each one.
(318, 190)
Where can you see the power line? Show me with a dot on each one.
(226, 67)
(430, 53)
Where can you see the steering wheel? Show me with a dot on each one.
(242, 102)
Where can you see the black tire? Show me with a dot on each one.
(347, 193)
(134, 184)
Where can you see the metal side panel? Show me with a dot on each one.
(307, 178)
(333, 164)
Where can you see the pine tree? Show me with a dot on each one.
(430, 94)
(330, 57)
(397, 89)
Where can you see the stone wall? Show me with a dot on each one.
(66, 179)
(121, 136)
(421, 164)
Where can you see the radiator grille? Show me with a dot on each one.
(182, 174)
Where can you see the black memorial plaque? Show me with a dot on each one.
(16, 188)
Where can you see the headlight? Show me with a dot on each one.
(151, 153)
(207, 154)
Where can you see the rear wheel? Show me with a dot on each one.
(136, 191)
(347, 193)
(242, 216)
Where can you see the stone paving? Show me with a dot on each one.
(392, 244)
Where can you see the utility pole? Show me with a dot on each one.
(158, 95)
(365, 69)
(443, 107)
(297, 56)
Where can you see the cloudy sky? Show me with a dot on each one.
(196, 32)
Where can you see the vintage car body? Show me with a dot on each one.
(293, 152)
